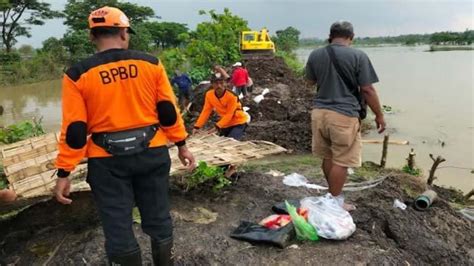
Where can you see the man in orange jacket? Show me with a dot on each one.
(119, 110)
(227, 105)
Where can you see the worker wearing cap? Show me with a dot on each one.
(239, 79)
(119, 110)
(233, 120)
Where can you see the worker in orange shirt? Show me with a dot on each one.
(227, 105)
(119, 110)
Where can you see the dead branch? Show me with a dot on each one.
(469, 195)
(383, 161)
(436, 162)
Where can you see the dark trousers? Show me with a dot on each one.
(235, 132)
(120, 182)
(241, 89)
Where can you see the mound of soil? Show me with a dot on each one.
(283, 117)
(70, 235)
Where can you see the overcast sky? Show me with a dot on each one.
(311, 17)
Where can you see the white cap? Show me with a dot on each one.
(238, 64)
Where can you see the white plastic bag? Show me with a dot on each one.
(328, 217)
(297, 180)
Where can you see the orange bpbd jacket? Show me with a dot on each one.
(228, 107)
(112, 91)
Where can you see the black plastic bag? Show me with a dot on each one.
(255, 233)
(280, 208)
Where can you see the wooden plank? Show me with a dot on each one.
(380, 141)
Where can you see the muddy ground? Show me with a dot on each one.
(71, 235)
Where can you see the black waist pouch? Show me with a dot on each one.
(126, 142)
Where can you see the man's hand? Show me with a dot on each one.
(62, 190)
(213, 130)
(380, 123)
(186, 157)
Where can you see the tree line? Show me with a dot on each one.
(437, 38)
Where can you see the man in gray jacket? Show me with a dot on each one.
(344, 78)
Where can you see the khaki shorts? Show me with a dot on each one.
(336, 137)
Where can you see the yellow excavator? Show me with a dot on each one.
(256, 44)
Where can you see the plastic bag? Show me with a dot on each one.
(328, 217)
(304, 230)
(297, 180)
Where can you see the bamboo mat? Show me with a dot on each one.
(29, 164)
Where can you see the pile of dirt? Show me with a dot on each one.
(70, 235)
(283, 117)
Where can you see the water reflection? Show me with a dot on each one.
(42, 99)
(432, 98)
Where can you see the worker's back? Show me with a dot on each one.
(112, 91)
(333, 94)
(119, 88)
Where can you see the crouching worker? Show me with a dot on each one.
(227, 105)
(123, 100)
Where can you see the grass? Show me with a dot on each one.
(307, 165)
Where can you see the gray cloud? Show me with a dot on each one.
(312, 18)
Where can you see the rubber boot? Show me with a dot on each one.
(161, 252)
(131, 259)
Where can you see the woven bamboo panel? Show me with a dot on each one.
(215, 150)
(21, 150)
(29, 164)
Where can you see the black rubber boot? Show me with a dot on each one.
(131, 259)
(161, 252)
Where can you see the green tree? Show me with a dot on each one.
(26, 50)
(287, 39)
(172, 59)
(78, 45)
(77, 12)
(55, 48)
(167, 34)
(217, 40)
(17, 15)
(142, 40)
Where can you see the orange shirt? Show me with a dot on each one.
(111, 91)
(228, 107)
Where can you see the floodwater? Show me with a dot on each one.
(432, 98)
(37, 100)
(431, 95)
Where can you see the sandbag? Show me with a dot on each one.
(328, 217)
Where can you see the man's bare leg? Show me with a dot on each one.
(336, 180)
(326, 166)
